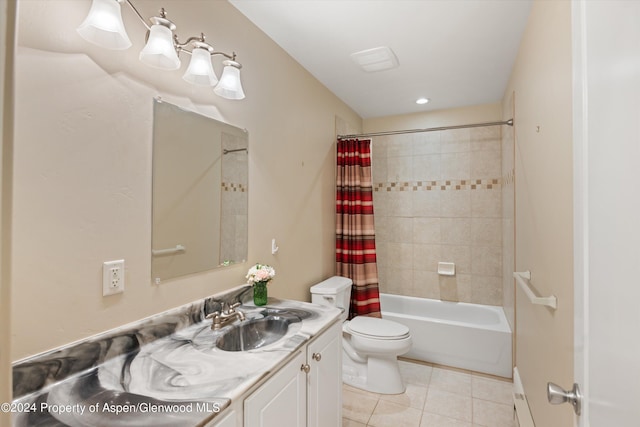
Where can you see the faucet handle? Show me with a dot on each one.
(215, 315)
(216, 319)
(234, 306)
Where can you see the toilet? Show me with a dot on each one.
(370, 345)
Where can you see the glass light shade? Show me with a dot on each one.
(230, 86)
(200, 70)
(103, 26)
(159, 51)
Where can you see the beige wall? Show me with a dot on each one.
(83, 168)
(437, 199)
(7, 40)
(541, 80)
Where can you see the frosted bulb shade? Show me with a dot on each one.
(200, 70)
(103, 26)
(230, 86)
(159, 51)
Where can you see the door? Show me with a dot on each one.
(324, 382)
(607, 210)
(282, 400)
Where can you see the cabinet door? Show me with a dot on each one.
(228, 420)
(324, 382)
(281, 401)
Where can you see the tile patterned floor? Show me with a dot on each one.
(435, 397)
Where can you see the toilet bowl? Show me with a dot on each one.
(370, 345)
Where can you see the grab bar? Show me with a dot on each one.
(522, 277)
(168, 251)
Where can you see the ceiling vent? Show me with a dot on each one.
(376, 59)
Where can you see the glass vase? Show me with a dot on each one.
(260, 293)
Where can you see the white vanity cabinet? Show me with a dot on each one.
(307, 391)
(324, 381)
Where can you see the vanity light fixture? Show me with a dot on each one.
(103, 26)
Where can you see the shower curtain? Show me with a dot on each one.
(355, 235)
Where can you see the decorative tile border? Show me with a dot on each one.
(449, 184)
(231, 186)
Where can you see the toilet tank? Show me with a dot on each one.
(335, 291)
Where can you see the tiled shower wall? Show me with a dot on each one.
(437, 197)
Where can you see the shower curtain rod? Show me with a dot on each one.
(398, 132)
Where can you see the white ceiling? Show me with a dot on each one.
(455, 52)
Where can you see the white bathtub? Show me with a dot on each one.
(469, 336)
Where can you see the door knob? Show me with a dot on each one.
(316, 356)
(305, 368)
(557, 395)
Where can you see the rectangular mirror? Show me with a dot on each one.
(200, 177)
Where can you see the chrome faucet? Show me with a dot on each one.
(226, 316)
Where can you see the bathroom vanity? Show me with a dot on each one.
(280, 366)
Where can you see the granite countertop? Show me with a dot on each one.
(162, 371)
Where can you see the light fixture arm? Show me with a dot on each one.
(144, 22)
(198, 42)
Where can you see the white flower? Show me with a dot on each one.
(260, 273)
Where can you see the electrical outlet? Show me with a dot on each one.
(112, 277)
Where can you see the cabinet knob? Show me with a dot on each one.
(306, 368)
(316, 357)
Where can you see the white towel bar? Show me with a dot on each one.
(522, 277)
(169, 251)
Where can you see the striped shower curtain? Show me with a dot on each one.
(355, 236)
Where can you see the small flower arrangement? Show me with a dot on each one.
(260, 273)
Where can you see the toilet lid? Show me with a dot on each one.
(378, 328)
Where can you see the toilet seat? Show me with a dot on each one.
(376, 328)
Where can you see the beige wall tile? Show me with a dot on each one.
(448, 288)
(426, 143)
(485, 138)
(460, 255)
(399, 168)
(399, 145)
(399, 203)
(486, 261)
(426, 230)
(455, 141)
(427, 167)
(401, 254)
(400, 229)
(426, 257)
(486, 232)
(486, 164)
(425, 284)
(455, 231)
(463, 286)
(455, 203)
(486, 203)
(426, 203)
(398, 280)
(486, 290)
(456, 166)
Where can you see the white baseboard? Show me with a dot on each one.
(522, 411)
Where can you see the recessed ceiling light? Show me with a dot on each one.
(376, 59)
(422, 101)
